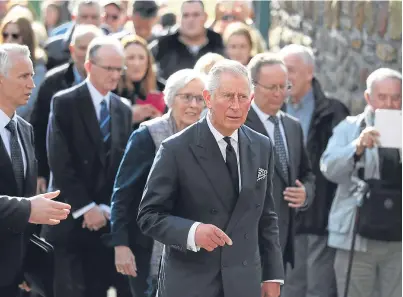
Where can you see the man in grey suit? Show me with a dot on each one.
(209, 200)
(293, 180)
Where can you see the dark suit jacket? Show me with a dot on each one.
(15, 237)
(189, 182)
(299, 168)
(77, 160)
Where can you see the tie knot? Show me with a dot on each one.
(103, 103)
(274, 120)
(11, 126)
(227, 139)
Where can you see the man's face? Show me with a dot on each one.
(193, 19)
(299, 73)
(106, 68)
(385, 94)
(112, 16)
(143, 26)
(230, 103)
(271, 88)
(89, 15)
(79, 50)
(17, 85)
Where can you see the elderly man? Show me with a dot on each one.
(57, 79)
(208, 200)
(353, 152)
(88, 131)
(313, 273)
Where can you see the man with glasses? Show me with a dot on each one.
(293, 181)
(88, 130)
(113, 15)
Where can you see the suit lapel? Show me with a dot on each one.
(292, 145)
(6, 170)
(90, 119)
(116, 127)
(29, 156)
(249, 168)
(211, 161)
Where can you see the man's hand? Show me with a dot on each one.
(368, 138)
(210, 237)
(46, 211)
(295, 195)
(24, 286)
(94, 219)
(270, 289)
(124, 261)
(41, 185)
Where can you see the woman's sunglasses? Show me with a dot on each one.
(13, 35)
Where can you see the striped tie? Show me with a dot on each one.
(105, 125)
(279, 145)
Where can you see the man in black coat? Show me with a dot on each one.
(209, 200)
(293, 180)
(88, 130)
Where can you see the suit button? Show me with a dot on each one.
(85, 162)
(246, 235)
(245, 263)
(214, 211)
(257, 205)
(224, 266)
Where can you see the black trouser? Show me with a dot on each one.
(140, 285)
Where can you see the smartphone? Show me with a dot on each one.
(154, 99)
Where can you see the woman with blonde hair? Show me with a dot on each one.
(206, 62)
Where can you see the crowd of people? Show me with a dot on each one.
(186, 160)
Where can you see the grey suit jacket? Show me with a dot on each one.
(299, 168)
(189, 182)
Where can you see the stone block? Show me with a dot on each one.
(359, 15)
(275, 36)
(287, 35)
(386, 52)
(294, 22)
(356, 39)
(346, 23)
(336, 6)
(319, 12)
(370, 17)
(395, 20)
(382, 21)
(308, 28)
(308, 9)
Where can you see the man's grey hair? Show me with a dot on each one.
(76, 6)
(177, 81)
(263, 59)
(305, 53)
(11, 48)
(226, 66)
(99, 42)
(382, 74)
(81, 31)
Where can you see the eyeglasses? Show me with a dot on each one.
(110, 68)
(113, 17)
(188, 98)
(275, 88)
(13, 35)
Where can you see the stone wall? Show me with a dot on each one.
(350, 40)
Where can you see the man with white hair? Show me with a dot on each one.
(88, 130)
(313, 273)
(354, 151)
(208, 200)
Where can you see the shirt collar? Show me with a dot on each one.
(96, 96)
(217, 135)
(262, 115)
(4, 119)
(308, 98)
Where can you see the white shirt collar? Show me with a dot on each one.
(4, 119)
(262, 115)
(217, 135)
(96, 96)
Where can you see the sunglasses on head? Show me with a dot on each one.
(13, 35)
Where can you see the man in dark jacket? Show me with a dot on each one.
(58, 79)
(318, 116)
(191, 40)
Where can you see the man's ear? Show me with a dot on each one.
(207, 98)
(367, 97)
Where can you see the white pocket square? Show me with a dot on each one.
(261, 174)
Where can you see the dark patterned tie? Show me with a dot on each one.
(232, 164)
(279, 145)
(105, 125)
(16, 157)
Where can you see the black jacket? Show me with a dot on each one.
(56, 80)
(327, 114)
(172, 55)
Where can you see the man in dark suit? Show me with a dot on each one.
(17, 166)
(88, 130)
(58, 79)
(209, 200)
(293, 181)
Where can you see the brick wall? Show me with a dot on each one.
(350, 40)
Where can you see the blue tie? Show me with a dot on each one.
(279, 146)
(105, 125)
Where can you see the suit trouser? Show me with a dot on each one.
(139, 285)
(9, 291)
(313, 273)
(375, 273)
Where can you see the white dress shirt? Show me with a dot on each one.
(222, 144)
(269, 126)
(6, 135)
(97, 98)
